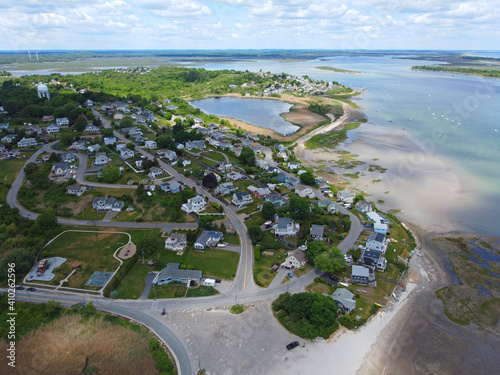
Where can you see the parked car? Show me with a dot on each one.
(31, 289)
(247, 218)
(290, 245)
(292, 345)
(334, 278)
(290, 275)
(217, 280)
(20, 287)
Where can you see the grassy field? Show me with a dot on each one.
(94, 345)
(216, 263)
(179, 291)
(133, 283)
(93, 251)
(262, 274)
(332, 139)
(8, 172)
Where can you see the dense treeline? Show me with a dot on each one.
(454, 69)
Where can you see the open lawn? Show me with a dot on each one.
(92, 251)
(216, 263)
(262, 268)
(133, 283)
(8, 172)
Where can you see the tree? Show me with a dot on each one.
(114, 294)
(307, 178)
(209, 181)
(314, 249)
(268, 211)
(66, 139)
(255, 233)
(299, 207)
(357, 198)
(247, 156)
(148, 245)
(106, 132)
(330, 261)
(206, 222)
(88, 310)
(80, 123)
(30, 168)
(126, 122)
(110, 175)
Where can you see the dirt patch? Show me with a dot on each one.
(78, 207)
(127, 251)
(303, 117)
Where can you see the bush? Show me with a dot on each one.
(162, 362)
(257, 254)
(321, 280)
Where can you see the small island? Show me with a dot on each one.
(338, 70)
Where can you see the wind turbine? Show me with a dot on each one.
(36, 53)
(29, 55)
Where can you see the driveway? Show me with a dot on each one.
(149, 284)
(280, 276)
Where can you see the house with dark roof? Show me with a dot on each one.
(286, 227)
(107, 204)
(344, 299)
(316, 232)
(59, 170)
(77, 190)
(208, 238)
(173, 273)
(374, 259)
(240, 199)
(172, 187)
(295, 259)
(377, 241)
(362, 275)
(68, 157)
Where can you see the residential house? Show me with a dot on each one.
(173, 273)
(276, 199)
(32, 130)
(346, 196)
(91, 128)
(272, 170)
(328, 205)
(100, 159)
(94, 148)
(155, 172)
(304, 191)
(377, 241)
(59, 170)
(186, 162)
(14, 153)
(380, 228)
(4, 125)
(363, 206)
(120, 146)
(109, 141)
(241, 199)
(27, 142)
(199, 145)
(362, 275)
(374, 258)
(176, 242)
(260, 192)
(316, 232)
(3, 149)
(78, 145)
(225, 188)
(77, 190)
(52, 128)
(150, 144)
(286, 227)
(291, 183)
(195, 204)
(172, 187)
(47, 118)
(8, 138)
(62, 121)
(107, 204)
(208, 238)
(282, 177)
(380, 222)
(131, 130)
(344, 299)
(261, 163)
(226, 146)
(46, 157)
(126, 153)
(235, 176)
(225, 166)
(67, 157)
(170, 155)
(295, 259)
(293, 166)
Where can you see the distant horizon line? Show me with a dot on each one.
(248, 49)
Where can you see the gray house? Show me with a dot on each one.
(173, 273)
(362, 275)
(208, 238)
(76, 190)
(107, 204)
(374, 258)
(344, 299)
(316, 232)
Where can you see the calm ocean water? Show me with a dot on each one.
(453, 116)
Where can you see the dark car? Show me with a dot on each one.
(334, 278)
(217, 280)
(31, 289)
(291, 245)
(292, 345)
(20, 287)
(247, 218)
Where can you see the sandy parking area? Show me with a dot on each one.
(127, 251)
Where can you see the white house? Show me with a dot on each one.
(176, 242)
(199, 145)
(77, 190)
(109, 140)
(8, 138)
(91, 128)
(100, 159)
(150, 144)
(346, 196)
(78, 145)
(304, 191)
(68, 157)
(59, 170)
(170, 155)
(293, 166)
(344, 299)
(286, 227)
(240, 199)
(126, 153)
(107, 204)
(235, 176)
(363, 206)
(295, 259)
(261, 163)
(155, 172)
(377, 241)
(225, 188)
(52, 128)
(195, 204)
(225, 166)
(26, 142)
(62, 121)
(94, 148)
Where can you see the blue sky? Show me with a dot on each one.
(255, 24)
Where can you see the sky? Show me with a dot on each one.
(249, 24)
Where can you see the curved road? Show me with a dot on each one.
(243, 289)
